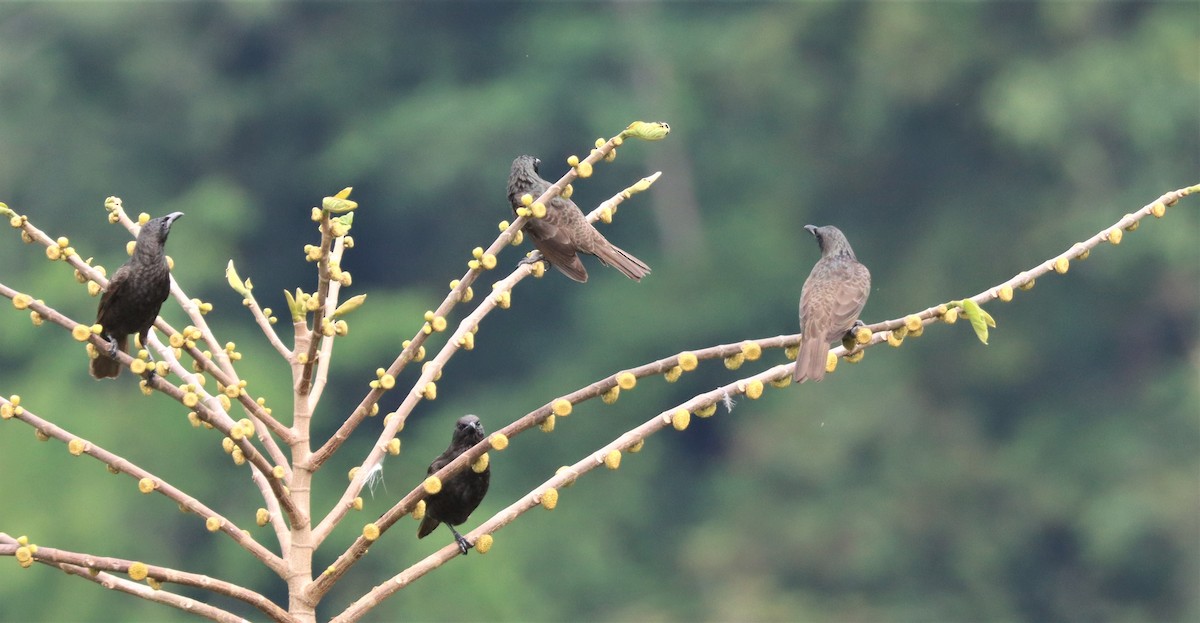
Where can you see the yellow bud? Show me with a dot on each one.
(476, 253)
(370, 532)
(584, 169)
(53, 253)
(600, 142)
(522, 211)
(278, 472)
(673, 374)
(1062, 265)
(856, 356)
(547, 424)
(1115, 235)
(503, 299)
(688, 361)
(561, 407)
(393, 446)
(518, 238)
(626, 381)
(612, 460)
(190, 399)
(610, 396)
(467, 341)
(526, 199)
(539, 269)
(138, 571)
(791, 352)
(481, 464)
(1158, 209)
(418, 511)
(549, 498)
(1027, 285)
(637, 446)
(468, 295)
(895, 341)
(79, 332)
(77, 446)
(238, 457)
(213, 523)
(357, 503)
(782, 381)
(439, 322)
(912, 322)
(147, 485)
(1005, 293)
(830, 362)
(138, 366)
(483, 544)
(538, 210)
(571, 475)
(432, 485)
(606, 214)
(568, 191)
(1132, 226)
(680, 419)
(751, 351)
(951, 316)
(40, 434)
(733, 362)
(754, 389)
(430, 391)
(261, 517)
(572, 160)
(499, 441)
(6, 411)
(387, 381)
(862, 335)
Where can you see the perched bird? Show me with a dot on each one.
(832, 297)
(462, 492)
(135, 294)
(565, 232)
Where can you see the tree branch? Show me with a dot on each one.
(83, 563)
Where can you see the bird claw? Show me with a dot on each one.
(112, 348)
(463, 543)
(531, 259)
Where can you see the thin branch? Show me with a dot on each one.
(88, 565)
(326, 348)
(118, 464)
(322, 292)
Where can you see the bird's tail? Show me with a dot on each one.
(614, 256)
(105, 367)
(428, 524)
(810, 361)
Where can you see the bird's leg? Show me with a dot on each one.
(143, 341)
(112, 346)
(849, 341)
(532, 259)
(463, 543)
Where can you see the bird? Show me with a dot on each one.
(134, 295)
(565, 232)
(832, 298)
(461, 493)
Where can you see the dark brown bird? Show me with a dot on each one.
(565, 232)
(462, 492)
(832, 298)
(135, 294)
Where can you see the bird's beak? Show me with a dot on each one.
(478, 426)
(173, 216)
(812, 229)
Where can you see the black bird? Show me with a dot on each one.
(135, 294)
(565, 232)
(462, 492)
(832, 298)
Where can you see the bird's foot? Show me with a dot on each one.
(112, 347)
(532, 258)
(463, 543)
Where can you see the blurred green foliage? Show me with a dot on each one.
(1053, 475)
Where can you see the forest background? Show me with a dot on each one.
(1051, 475)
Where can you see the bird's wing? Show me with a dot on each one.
(552, 236)
(849, 297)
(113, 292)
